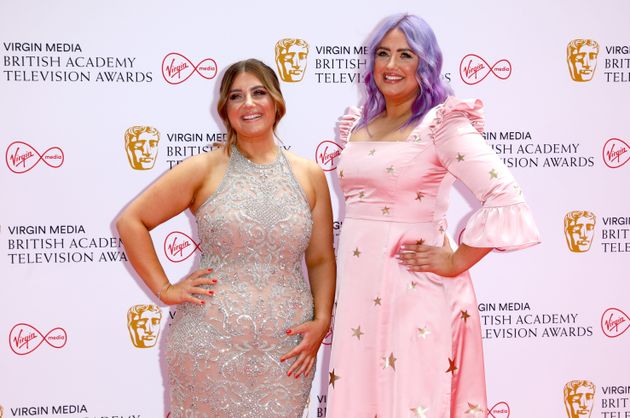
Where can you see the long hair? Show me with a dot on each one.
(269, 80)
(423, 43)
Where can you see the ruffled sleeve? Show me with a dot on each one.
(346, 124)
(504, 221)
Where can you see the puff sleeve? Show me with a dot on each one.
(504, 221)
(346, 123)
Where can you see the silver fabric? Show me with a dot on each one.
(224, 358)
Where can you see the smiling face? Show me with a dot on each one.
(250, 108)
(395, 66)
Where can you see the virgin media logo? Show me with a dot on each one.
(21, 157)
(499, 410)
(614, 322)
(176, 68)
(473, 69)
(24, 338)
(615, 153)
(327, 154)
(178, 246)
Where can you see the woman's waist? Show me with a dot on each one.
(391, 234)
(392, 212)
(251, 260)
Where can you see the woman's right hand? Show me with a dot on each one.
(185, 290)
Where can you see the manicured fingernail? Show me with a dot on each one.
(211, 293)
(203, 302)
(214, 280)
(209, 269)
(296, 376)
(288, 331)
(289, 374)
(281, 360)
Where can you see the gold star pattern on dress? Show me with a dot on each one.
(419, 241)
(356, 332)
(451, 366)
(389, 361)
(460, 157)
(493, 174)
(377, 301)
(385, 210)
(392, 361)
(332, 378)
(372, 151)
(424, 332)
(419, 196)
(356, 252)
(419, 411)
(441, 228)
(518, 189)
(474, 410)
(340, 174)
(412, 285)
(390, 169)
(465, 315)
(361, 194)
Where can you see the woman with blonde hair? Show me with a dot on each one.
(260, 211)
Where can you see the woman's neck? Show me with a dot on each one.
(259, 150)
(398, 111)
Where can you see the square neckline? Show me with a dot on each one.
(411, 134)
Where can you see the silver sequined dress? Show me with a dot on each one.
(223, 357)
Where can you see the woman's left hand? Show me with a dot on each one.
(313, 333)
(426, 258)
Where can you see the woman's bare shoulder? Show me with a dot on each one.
(304, 164)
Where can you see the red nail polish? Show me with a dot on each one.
(289, 374)
(209, 269)
(288, 331)
(203, 302)
(211, 293)
(214, 280)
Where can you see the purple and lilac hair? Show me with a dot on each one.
(422, 41)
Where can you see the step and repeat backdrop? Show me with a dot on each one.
(97, 100)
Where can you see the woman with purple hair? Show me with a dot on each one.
(407, 338)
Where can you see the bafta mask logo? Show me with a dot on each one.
(578, 398)
(582, 59)
(143, 322)
(579, 229)
(291, 57)
(141, 144)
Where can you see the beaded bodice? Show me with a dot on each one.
(224, 356)
(258, 219)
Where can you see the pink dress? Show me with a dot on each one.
(409, 344)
